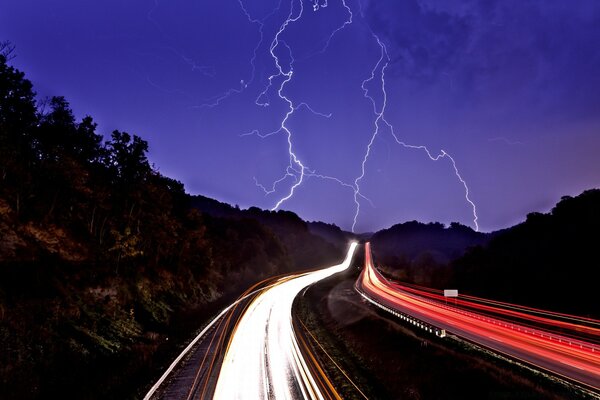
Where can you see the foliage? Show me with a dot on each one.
(99, 252)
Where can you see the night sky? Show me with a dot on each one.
(509, 89)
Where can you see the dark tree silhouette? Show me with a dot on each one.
(99, 252)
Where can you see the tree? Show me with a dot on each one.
(17, 120)
(7, 50)
(127, 157)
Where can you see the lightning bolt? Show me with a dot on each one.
(382, 64)
(296, 170)
(316, 7)
(311, 174)
(208, 71)
(216, 100)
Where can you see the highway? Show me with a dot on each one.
(253, 349)
(263, 359)
(564, 345)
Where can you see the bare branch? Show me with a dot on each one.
(7, 50)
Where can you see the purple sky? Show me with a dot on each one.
(509, 89)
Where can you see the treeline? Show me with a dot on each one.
(99, 252)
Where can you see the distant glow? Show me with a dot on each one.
(263, 359)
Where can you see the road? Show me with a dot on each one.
(251, 349)
(263, 359)
(564, 345)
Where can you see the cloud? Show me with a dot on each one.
(424, 41)
(543, 53)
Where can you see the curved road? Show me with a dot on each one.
(263, 359)
(251, 350)
(577, 359)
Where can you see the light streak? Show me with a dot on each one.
(562, 344)
(263, 358)
(250, 292)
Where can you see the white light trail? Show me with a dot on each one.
(263, 359)
(175, 362)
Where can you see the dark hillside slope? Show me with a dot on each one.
(305, 249)
(100, 253)
(550, 260)
(331, 233)
(418, 252)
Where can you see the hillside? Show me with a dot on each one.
(331, 233)
(101, 256)
(549, 261)
(417, 252)
(305, 246)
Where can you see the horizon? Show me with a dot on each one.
(446, 225)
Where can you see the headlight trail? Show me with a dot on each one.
(565, 345)
(221, 321)
(263, 358)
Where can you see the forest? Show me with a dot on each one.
(103, 259)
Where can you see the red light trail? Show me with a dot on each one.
(563, 344)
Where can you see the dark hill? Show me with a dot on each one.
(416, 252)
(550, 260)
(414, 239)
(305, 249)
(101, 256)
(331, 233)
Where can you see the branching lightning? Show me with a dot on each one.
(216, 100)
(209, 70)
(295, 169)
(296, 172)
(316, 7)
(382, 64)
